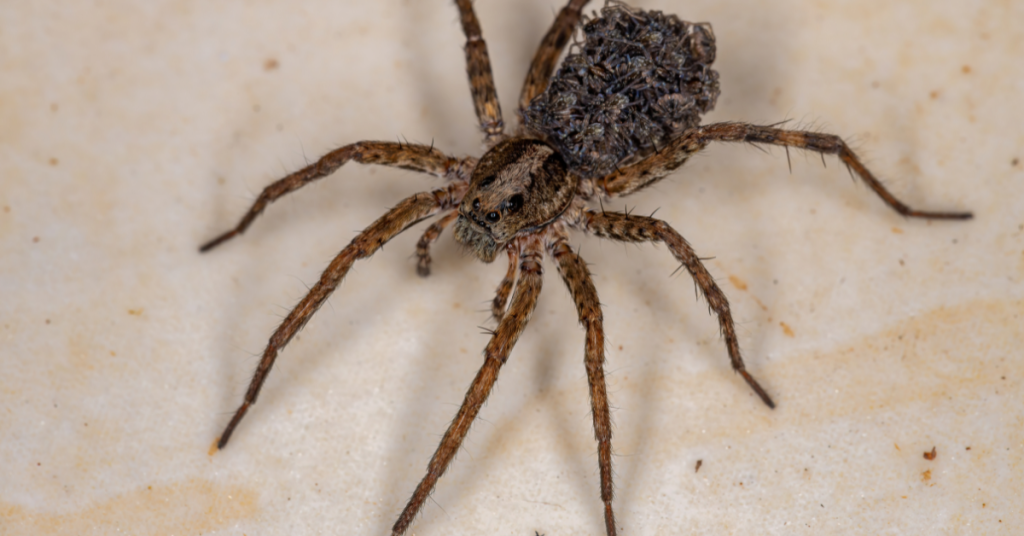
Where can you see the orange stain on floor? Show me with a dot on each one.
(194, 506)
(737, 282)
(934, 356)
(742, 285)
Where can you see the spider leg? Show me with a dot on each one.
(481, 80)
(512, 324)
(396, 220)
(626, 180)
(656, 166)
(629, 228)
(581, 288)
(544, 60)
(429, 237)
(505, 287)
(824, 144)
(422, 158)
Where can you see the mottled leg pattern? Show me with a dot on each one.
(429, 237)
(651, 169)
(581, 288)
(629, 228)
(505, 287)
(824, 144)
(481, 80)
(406, 213)
(626, 180)
(495, 355)
(546, 57)
(422, 158)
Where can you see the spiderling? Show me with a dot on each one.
(636, 80)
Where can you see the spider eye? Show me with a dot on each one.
(514, 203)
(486, 181)
(493, 217)
(476, 204)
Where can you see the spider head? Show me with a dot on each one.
(519, 185)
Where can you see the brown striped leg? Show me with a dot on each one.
(422, 158)
(505, 287)
(581, 288)
(656, 166)
(544, 60)
(523, 302)
(646, 172)
(481, 80)
(429, 237)
(405, 214)
(629, 228)
(823, 144)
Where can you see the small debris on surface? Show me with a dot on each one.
(930, 455)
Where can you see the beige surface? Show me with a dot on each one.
(130, 132)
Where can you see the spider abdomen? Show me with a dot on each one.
(637, 80)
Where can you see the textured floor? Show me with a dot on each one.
(130, 132)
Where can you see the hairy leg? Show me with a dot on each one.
(656, 166)
(422, 158)
(626, 180)
(429, 237)
(495, 355)
(584, 294)
(544, 60)
(824, 144)
(405, 214)
(481, 80)
(629, 228)
(505, 287)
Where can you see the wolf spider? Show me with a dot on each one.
(523, 198)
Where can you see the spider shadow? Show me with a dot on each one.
(546, 364)
(437, 380)
(511, 45)
(538, 363)
(668, 311)
(302, 226)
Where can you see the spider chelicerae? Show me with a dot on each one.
(621, 113)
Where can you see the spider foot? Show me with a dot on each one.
(757, 389)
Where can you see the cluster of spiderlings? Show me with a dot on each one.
(638, 79)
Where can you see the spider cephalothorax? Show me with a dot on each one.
(520, 184)
(623, 113)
